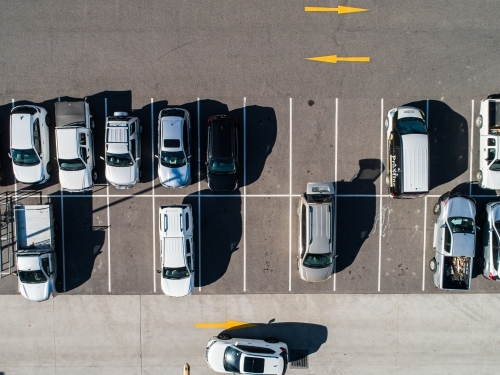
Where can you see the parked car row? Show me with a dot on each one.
(30, 148)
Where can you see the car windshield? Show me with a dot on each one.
(495, 166)
(221, 165)
(173, 159)
(318, 260)
(411, 125)
(119, 160)
(461, 225)
(175, 273)
(71, 164)
(25, 157)
(32, 277)
(232, 359)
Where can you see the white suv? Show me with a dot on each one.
(75, 146)
(177, 250)
(29, 144)
(123, 150)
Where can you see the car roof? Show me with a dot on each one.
(173, 252)
(67, 144)
(222, 137)
(21, 131)
(321, 216)
(117, 137)
(171, 128)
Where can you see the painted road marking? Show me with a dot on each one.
(290, 209)
(199, 195)
(107, 208)
(423, 250)
(244, 195)
(335, 207)
(153, 193)
(340, 9)
(471, 146)
(380, 198)
(228, 324)
(333, 59)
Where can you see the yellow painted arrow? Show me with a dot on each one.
(340, 9)
(228, 324)
(334, 59)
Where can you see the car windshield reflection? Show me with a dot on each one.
(25, 157)
(318, 260)
(175, 273)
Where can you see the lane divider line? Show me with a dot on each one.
(425, 240)
(153, 192)
(335, 208)
(380, 186)
(199, 194)
(471, 145)
(107, 208)
(244, 195)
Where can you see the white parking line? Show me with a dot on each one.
(290, 210)
(15, 179)
(335, 207)
(471, 145)
(199, 197)
(153, 193)
(423, 247)
(244, 195)
(108, 235)
(380, 196)
(63, 246)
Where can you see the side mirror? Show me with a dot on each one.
(137, 159)
(14, 273)
(477, 227)
(102, 158)
(443, 226)
(158, 271)
(10, 156)
(41, 155)
(156, 156)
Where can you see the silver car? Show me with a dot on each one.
(315, 259)
(245, 356)
(174, 148)
(488, 263)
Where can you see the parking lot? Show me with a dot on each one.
(247, 240)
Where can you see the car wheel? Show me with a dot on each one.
(224, 336)
(482, 216)
(92, 124)
(479, 176)
(479, 122)
(48, 121)
(433, 265)
(271, 340)
(437, 208)
(387, 180)
(94, 175)
(386, 123)
(49, 168)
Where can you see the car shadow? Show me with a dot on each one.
(302, 339)
(448, 141)
(220, 231)
(82, 241)
(353, 229)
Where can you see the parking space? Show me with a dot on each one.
(246, 240)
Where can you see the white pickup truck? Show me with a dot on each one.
(488, 123)
(35, 250)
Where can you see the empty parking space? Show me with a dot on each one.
(402, 244)
(267, 250)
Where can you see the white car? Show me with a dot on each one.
(174, 159)
(75, 146)
(176, 250)
(488, 123)
(489, 262)
(245, 356)
(29, 144)
(123, 150)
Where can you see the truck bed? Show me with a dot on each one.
(69, 112)
(33, 227)
(456, 272)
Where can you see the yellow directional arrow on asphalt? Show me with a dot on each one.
(334, 59)
(340, 9)
(228, 324)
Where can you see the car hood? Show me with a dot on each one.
(215, 357)
(316, 274)
(120, 175)
(491, 180)
(178, 288)
(174, 177)
(36, 292)
(75, 180)
(223, 183)
(28, 174)
(464, 244)
(460, 206)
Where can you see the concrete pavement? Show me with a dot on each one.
(344, 334)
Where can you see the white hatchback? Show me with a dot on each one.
(123, 150)
(177, 250)
(29, 144)
(246, 356)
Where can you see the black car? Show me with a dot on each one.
(222, 153)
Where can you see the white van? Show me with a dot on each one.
(407, 153)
